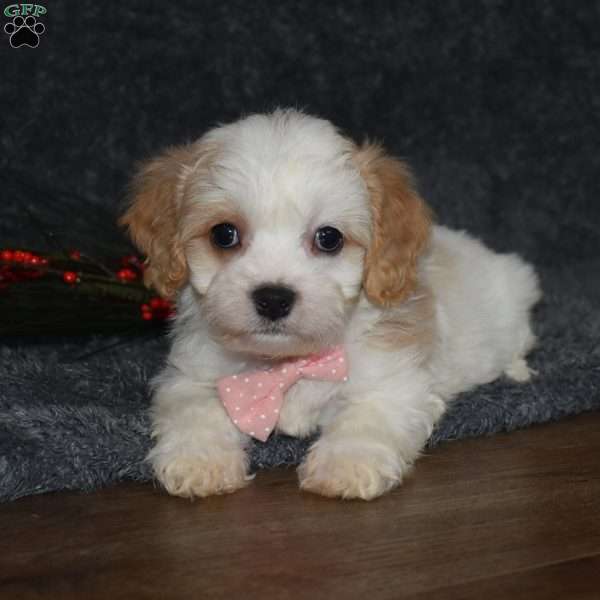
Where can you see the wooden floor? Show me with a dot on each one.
(513, 516)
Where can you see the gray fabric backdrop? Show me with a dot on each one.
(496, 105)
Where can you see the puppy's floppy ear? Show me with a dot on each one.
(400, 230)
(153, 217)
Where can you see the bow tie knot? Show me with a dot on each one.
(253, 400)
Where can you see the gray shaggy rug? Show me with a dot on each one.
(495, 104)
(81, 424)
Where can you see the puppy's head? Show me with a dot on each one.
(278, 222)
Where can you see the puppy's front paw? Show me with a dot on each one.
(195, 476)
(356, 471)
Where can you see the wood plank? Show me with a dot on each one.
(577, 579)
(476, 515)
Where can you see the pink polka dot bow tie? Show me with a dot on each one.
(253, 400)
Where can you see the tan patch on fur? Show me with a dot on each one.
(410, 324)
(154, 216)
(197, 221)
(346, 475)
(401, 227)
(191, 477)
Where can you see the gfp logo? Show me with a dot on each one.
(24, 29)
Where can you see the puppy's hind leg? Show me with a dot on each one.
(524, 284)
(519, 370)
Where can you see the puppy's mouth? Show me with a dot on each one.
(271, 340)
(272, 335)
(271, 329)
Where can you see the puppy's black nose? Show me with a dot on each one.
(273, 301)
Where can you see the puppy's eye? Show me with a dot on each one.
(225, 235)
(328, 239)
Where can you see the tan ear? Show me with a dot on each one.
(153, 217)
(401, 227)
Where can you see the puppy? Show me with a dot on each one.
(291, 251)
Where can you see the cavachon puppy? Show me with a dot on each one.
(313, 293)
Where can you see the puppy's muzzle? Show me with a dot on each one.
(273, 302)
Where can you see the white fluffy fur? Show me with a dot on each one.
(287, 174)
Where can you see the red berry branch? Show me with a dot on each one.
(73, 293)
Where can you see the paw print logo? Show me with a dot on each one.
(24, 32)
